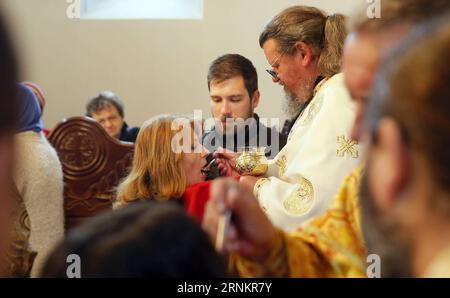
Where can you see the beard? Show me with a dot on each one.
(296, 100)
(291, 106)
(236, 126)
(383, 236)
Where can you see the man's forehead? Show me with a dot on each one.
(361, 55)
(235, 83)
(364, 52)
(271, 47)
(361, 50)
(107, 109)
(360, 62)
(378, 43)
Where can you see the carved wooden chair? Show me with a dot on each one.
(93, 164)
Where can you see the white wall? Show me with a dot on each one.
(155, 66)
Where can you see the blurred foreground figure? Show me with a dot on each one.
(332, 244)
(8, 118)
(406, 198)
(146, 239)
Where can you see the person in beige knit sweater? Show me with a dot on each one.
(38, 180)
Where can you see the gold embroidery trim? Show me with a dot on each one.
(319, 86)
(313, 110)
(257, 188)
(301, 199)
(347, 146)
(281, 163)
(315, 105)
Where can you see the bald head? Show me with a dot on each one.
(363, 53)
(359, 64)
(361, 59)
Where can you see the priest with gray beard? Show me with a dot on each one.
(304, 47)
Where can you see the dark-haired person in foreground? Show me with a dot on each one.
(145, 239)
(8, 118)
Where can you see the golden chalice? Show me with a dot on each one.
(252, 161)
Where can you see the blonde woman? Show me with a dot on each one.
(167, 165)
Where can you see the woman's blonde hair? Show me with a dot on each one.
(157, 171)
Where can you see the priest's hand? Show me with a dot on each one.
(226, 162)
(250, 233)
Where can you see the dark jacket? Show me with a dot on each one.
(128, 134)
(264, 137)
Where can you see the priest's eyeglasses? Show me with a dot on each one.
(272, 72)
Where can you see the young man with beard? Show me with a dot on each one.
(304, 49)
(234, 95)
(331, 244)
